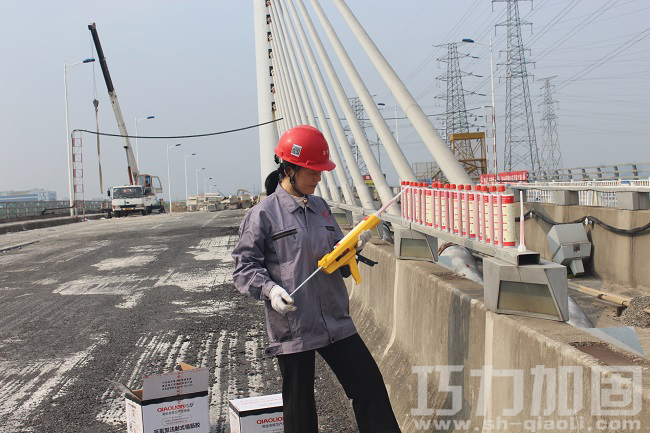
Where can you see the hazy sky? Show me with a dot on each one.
(192, 65)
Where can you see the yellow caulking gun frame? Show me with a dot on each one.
(345, 251)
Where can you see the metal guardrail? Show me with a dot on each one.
(507, 254)
(20, 210)
(590, 193)
(607, 186)
(585, 198)
(633, 171)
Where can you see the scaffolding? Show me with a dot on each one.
(469, 147)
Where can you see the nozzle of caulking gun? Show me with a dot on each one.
(379, 212)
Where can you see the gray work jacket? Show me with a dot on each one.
(280, 242)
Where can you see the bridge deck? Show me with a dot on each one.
(116, 299)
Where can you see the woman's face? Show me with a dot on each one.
(307, 180)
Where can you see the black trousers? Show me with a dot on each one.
(355, 369)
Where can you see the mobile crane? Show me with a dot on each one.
(140, 194)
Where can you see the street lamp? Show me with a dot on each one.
(204, 181)
(68, 145)
(396, 131)
(137, 159)
(494, 108)
(196, 173)
(187, 156)
(381, 104)
(169, 180)
(212, 186)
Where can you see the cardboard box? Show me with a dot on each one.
(170, 402)
(261, 414)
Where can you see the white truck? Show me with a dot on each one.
(140, 195)
(135, 198)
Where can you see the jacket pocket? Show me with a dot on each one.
(284, 234)
(279, 327)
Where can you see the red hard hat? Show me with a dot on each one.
(305, 146)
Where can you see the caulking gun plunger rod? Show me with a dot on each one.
(344, 252)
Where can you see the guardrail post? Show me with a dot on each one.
(632, 200)
(567, 198)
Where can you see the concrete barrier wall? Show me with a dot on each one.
(615, 258)
(413, 313)
(22, 226)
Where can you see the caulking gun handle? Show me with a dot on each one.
(354, 269)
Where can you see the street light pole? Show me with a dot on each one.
(396, 129)
(186, 156)
(68, 145)
(204, 181)
(137, 159)
(494, 114)
(494, 108)
(395, 107)
(169, 180)
(196, 173)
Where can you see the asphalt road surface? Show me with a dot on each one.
(117, 299)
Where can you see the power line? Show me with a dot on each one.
(577, 28)
(589, 19)
(180, 136)
(554, 21)
(607, 57)
(407, 28)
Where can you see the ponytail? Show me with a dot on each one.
(275, 177)
(272, 181)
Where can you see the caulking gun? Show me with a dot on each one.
(345, 252)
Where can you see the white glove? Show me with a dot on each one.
(281, 301)
(364, 237)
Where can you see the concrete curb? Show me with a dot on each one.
(417, 316)
(44, 223)
(13, 247)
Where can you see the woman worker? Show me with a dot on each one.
(280, 242)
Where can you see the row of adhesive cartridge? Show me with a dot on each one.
(483, 213)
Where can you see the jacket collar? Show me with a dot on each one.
(289, 202)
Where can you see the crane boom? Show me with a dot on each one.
(134, 171)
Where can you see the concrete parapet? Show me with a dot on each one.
(420, 320)
(43, 223)
(615, 257)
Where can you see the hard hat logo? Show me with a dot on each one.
(305, 146)
(295, 150)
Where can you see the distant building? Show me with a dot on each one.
(30, 195)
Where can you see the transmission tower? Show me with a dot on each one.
(359, 113)
(551, 157)
(467, 149)
(521, 150)
(455, 112)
